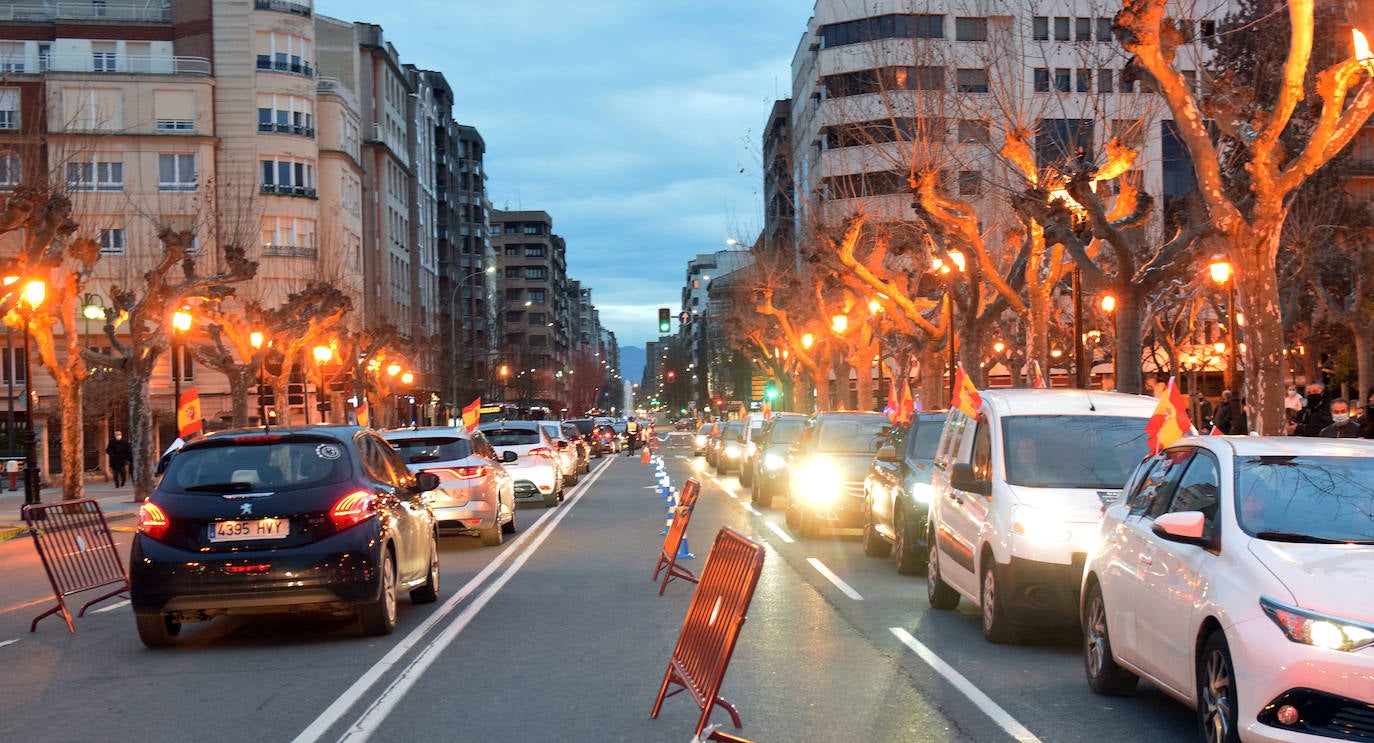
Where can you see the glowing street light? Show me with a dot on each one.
(1221, 273)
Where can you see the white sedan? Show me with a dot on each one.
(1235, 576)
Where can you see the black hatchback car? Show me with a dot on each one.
(283, 520)
(897, 493)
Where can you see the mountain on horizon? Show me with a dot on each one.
(631, 364)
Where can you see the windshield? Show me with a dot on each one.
(927, 439)
(732, 430)
(705, 428)
(511, 436)
(786, 430)
(851, 434)
(432, 449)
(1324, 498)
(1072, 451)
(242, 467)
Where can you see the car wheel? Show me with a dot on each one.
(552, 498)
(492, 536)
(1104, 675)
(997, 626)
(157, 630)
(810, 524)
(746, 476)
(379, 616)
(791, 515)
(1216, 692)
(874, 544)
(938, 592)
(428, 593)
(906, 555)
(509, 526)
(756, 494)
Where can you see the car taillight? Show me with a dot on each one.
(542, 451)
(352, 509)
(473, 472)
(152, 521)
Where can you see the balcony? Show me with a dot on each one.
(305, 191)
(284, 6)
(294, 67)
(268, 127)
(47, 12)
(124, 64)
(332, 86)
(272, 250)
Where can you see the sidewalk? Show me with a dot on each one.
(116, 503)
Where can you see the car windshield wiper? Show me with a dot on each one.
(220, 487)
(1289, 536)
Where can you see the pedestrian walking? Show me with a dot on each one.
(1314, 418)
(1341, 426)
(121, 455)
(1225, 411)
(1204, 406)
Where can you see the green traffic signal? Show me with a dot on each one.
(771, 391)
(665, 320)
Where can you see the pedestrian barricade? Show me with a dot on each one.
(668, 556)
(78, 552)
(712, 626)
(690, 490)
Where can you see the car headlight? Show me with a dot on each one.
(749, 449)
(1317, 629)
(773, 461)
(1038, 525)
(820, 483)
(701, 440)
(732, 452)
(921, 492)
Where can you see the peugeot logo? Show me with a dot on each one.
(246, 509)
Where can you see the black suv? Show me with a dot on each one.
(586, 428)
(897, 493)
(281, 520)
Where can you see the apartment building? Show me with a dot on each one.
(705, 334)
(532, 275)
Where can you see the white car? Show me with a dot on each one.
(475, 495)
(1235, 576)
(537, 469)
(567, 455)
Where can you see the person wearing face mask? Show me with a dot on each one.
(1314, 418)
(1341, 427)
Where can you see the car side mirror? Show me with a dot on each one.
(426, 481)
(962, 478)
(887, 453)
(1184, 527)
(508, 456)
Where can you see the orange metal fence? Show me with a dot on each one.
(712, 627)
(78, 552)
(667, 557)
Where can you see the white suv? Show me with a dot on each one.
(475, 494)
(537, 471)
(1017, 495)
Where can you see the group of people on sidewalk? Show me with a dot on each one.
(1319, 414)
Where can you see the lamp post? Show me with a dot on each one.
(322, 354)
(33, 296)
(92, 308)
(181, 322)
(454, 326)
(1221, 274)
(1081, 364)
(9, 377)
(957, 258)
(255, 340)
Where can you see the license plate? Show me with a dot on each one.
(242, 531)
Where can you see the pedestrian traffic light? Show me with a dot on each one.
(665, 321)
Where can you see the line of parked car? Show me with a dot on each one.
(1230, 572)
(334, 519)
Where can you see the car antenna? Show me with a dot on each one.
(1091, 407)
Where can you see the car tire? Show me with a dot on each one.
(379, 615)
(809, 524)
(553, 498)
(874, 544)
(492, 536)
(746, 476)
(509, 526)
(428, 592)
(907, 557)
(791, 515)
(938, 593)
(1217, 716)
(1104, 675)
(997, 625)
(157, 630)
(756, 495)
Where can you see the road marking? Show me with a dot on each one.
(782, 533)
(7, 642)
(750, 508)
(112, 607)
(830, 576)
(984, 703)
(376, 713)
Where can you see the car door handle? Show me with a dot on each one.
(1145, 560)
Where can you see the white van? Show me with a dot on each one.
(1018, 493)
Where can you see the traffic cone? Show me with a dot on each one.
(644, 457)
(683, 552)
(667, 523)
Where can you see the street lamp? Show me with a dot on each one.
(9, 376)
(181, 322)
(323, 354)
(957, 258)
(255, 340)
(92, 308)
(1221, 274)
(33, 295)
(454, 325)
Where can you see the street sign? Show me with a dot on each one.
(684, 318)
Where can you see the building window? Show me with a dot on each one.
(1104, 80)
(531, 229)
(1104, 30)
(534, 251)
(104, 57)
(971, 29)
(512, 250)
(1083, 80)
(11, 170)
(537, 296)
(9, 108)
(893, 26)
(537, 318)
(974, 130)
(970, 182)
(1042, 80)
(1061, 28)
(536, 272)
(515, 316)
(513, 272)
(973, 81)
(1040, 28)
(513, 295)
(1061, 79)
(1208, 28)
(111, 241)
(1083, 29)
(286, 114)
(281, 52)
(176, 172)
(288, 237)
(95, 176)
(288, 177)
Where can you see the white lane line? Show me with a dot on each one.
(782, 533)
(7, 642)
(837, 580)
(751, 509)
(112, 607)
(336, 710)
(984, 703)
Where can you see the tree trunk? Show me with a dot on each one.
(73, 451)
(1365, 365)
(142, 435)
(1258, 296)
(240, 380)
(932, 387)
(1129, 341)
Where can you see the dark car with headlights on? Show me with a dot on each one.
(897, 493)
(283, 520)
(775, 441)
(826, 470)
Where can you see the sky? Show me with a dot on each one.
(636, 124)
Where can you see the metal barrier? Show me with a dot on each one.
(690, 490)
(712, 627)
(667, 557)
(78, 552)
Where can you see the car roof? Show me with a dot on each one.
(1283, 446)
(396, 434)
(341, 432)
(846, 415)
(1041, 401)
(512, 425)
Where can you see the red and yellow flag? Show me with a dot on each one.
(894, 401)
(966, 398)
(766, 409)
(1038, 378)
(189, 422)
(472, 413)
(361, 416)
(906, 404)
(1170, 421)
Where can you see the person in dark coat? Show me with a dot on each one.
(1240, 422)
(1341, 426)
(1222, 419)
(1314, 418)
(121, 455)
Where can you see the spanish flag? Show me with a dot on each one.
(906, 406)
(894, 401)
(472, 413)
(966, 398)
(361, 416)
(188, 414)
(1038, 378)
(1170, 421)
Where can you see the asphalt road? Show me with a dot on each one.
(559, 634)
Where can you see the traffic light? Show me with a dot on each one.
(665, 321)
(770, 391)
(671, 375)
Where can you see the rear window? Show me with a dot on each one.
(786, 430)
(927, 439)
(511, 436)
(584, 425)
(432, 449)
(853, 435)
(233, 467)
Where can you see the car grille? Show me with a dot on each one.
(1323, 714)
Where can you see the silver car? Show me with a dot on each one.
(475, 495)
